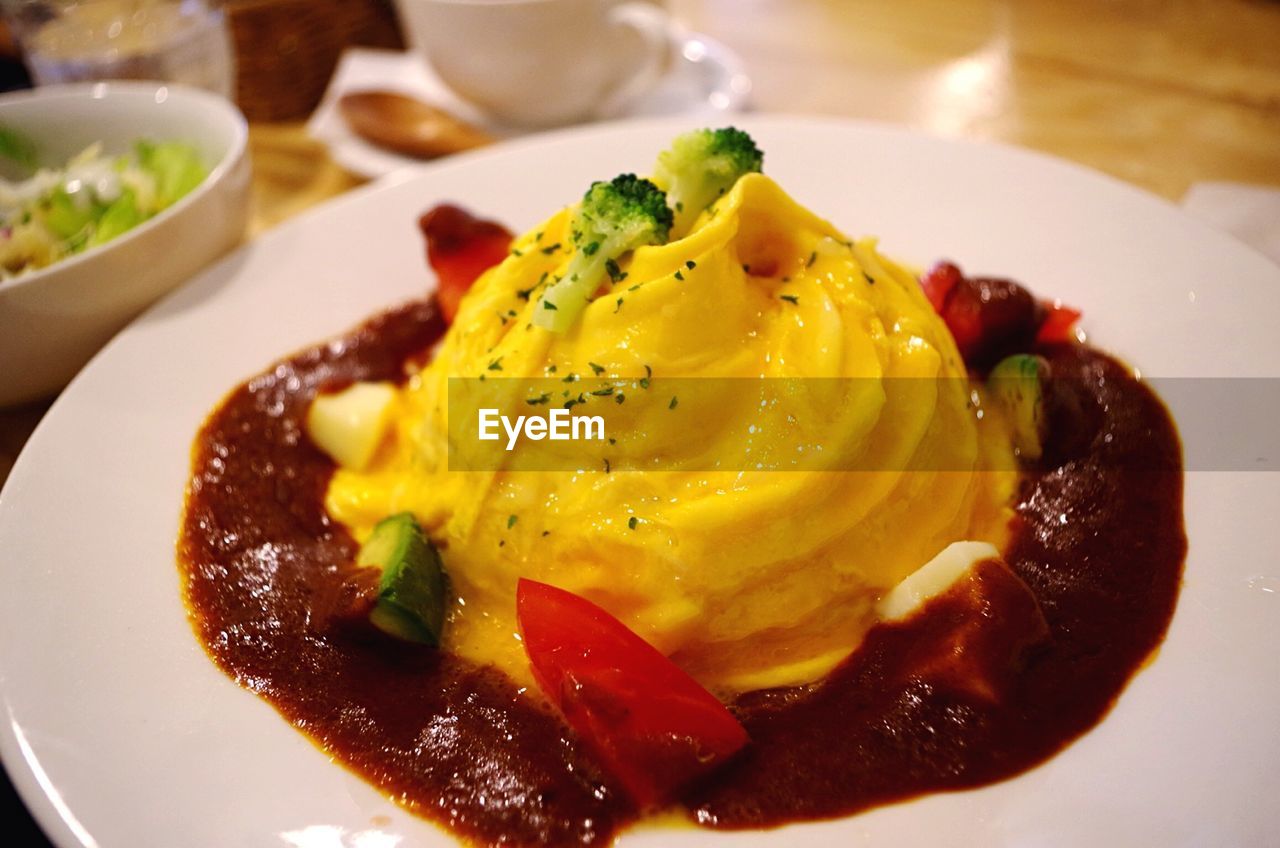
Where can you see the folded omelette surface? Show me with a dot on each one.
(772, 513)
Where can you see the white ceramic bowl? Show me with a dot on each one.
(54, 320)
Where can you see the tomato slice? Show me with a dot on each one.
(991, 318)
(1059, 320)
(651, 725)
(460, 247)
(938, 282)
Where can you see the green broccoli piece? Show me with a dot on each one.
(701, 166)
(613, 218)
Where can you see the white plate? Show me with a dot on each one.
(120, 731)
(706, 81)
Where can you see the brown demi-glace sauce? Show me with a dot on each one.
(969, 692)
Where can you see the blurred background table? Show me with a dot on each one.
(1156, 92)
(1161, 94)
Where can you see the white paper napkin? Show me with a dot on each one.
(388, 70)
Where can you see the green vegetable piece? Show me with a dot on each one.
(411, 594)
(614, 218)
(120, 216)
(67, 218)
(175, 167)
(1017, 384)
(700, 167)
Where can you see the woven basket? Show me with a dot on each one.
(286, 50)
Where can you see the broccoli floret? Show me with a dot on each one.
(613, 218)
(701, 166)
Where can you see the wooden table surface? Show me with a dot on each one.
(1157, 92)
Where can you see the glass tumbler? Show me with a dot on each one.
(183, 41)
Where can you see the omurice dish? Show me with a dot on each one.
(762, 289)
(685, 500)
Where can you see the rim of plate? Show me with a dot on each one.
(32, 784)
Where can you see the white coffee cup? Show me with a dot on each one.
(541, 62)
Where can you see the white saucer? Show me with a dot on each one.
(706, 81)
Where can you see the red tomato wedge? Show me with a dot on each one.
(990, 318)
(1059, 321)
(652, 726)
(460, 247)
(938, 282)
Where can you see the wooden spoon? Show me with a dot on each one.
(408, 126)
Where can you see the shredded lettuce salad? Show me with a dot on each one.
(58, 212)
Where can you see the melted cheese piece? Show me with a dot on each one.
(934, 578)
(746, 578)
(350, 424)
